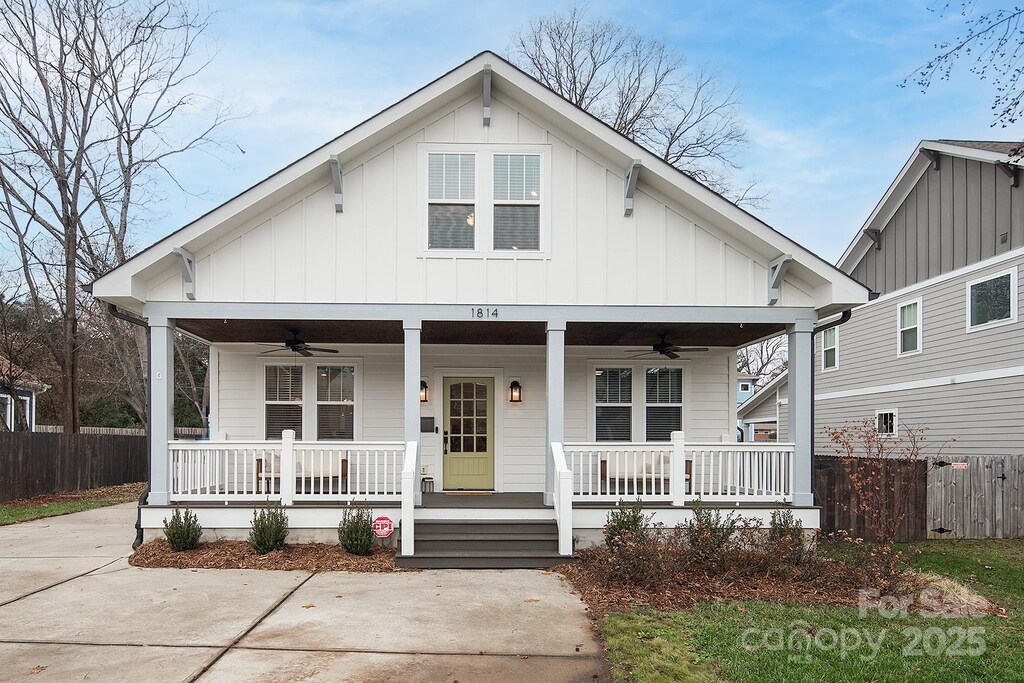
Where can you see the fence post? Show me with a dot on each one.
(287, 473)
(677, 478)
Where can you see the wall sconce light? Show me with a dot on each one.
(423, 391)
(515, 392)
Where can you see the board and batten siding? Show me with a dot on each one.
(983, 412)
(375, 250)
(237, 407)
(953, 217)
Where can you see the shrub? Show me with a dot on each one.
(708, 533)
(183, 530)
(626, 520)
(786, 537)
(269, 529)
(355, 533)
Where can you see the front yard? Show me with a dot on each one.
(25, 509)
(782, 641)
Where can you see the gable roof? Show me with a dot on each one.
(26, 381)
(761, 394)
(117, 286)
(992, 152)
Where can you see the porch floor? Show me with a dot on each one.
(484, 500)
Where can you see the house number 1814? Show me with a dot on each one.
(483, 312)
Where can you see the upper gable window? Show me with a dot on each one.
(451, 197)
(992, 301)
(517, 201)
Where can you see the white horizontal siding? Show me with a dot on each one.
(302, 250)
(520, 433)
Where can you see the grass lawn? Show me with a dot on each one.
(793, 643)
(67, 502)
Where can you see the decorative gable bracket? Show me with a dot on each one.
(1011, 172)
(630, 187)
(487, 94)
(336, 176)
(187, 262)
(933, 156)
(776, 272)
(875, 235)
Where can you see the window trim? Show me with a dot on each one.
(823, 349)
(638, 413)
(900, 353)
(309, 402)
(895, 423)
(1012, 272)
(484, 201)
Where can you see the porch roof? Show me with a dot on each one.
(639, 334)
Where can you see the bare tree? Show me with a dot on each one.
(765, 360)
(993, 43)
(642, 88)
(93, 104)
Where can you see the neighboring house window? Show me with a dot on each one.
(664, 409)
(830, 349)
(909, 330)
(885, 422)
(517, 201)
(992, 301)
(335, 402)
(614, 404)
(283, 400)
(451, 196)
(766, 432)
(744, 386)
(6, 413)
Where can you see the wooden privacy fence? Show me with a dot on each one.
(33, 464)
(902, 483)
(968, 497)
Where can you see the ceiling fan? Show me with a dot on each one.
(667, 349)
(296, 345)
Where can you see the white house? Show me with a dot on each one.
(480, 290)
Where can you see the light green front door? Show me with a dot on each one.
(468, 433)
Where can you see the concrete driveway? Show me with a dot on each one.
(71, 608)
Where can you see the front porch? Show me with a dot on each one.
(560, 454)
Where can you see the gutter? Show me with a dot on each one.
(144, 498)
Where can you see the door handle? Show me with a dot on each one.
(445, 442)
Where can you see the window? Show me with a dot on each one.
(335, 402)
(283, 400)
(885, 422)
(744, 386)
(908, 321)
(830, 349)
(664, 409)
(614, 404)
(992, 301)
(517, 201)
(451, 193)
(765, 432)
(6, 414)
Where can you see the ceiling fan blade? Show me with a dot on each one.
(321, 350)
(670, 354)
(641, 355)
(303, 352)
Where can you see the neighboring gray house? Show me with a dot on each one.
(941, 345)
(763, 415)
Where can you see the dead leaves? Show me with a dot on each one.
(37, 669)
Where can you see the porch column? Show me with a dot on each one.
(801, 367)
(161, 407)
(412, 393)
(556, 402)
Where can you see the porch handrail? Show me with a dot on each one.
(409, 497)
(738, 472)
(562, 498)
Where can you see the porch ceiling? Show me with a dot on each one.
(477, 332)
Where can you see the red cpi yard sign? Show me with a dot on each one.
(382, 527)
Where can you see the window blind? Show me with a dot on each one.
(451, 177)
(282, 416)
(517, 177)
(284, 400)
(335, 421)
(450, 226)
(517, 227)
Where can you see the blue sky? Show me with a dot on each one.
(829, 125)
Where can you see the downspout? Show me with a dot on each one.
(144, 498)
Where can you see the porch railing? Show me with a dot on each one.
(285, 471)
(679, 472)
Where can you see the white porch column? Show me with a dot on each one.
(801, 367)
(412, 392)
(555, 401)
(161, 407)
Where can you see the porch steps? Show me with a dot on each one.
(484, 544)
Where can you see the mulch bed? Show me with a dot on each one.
(125, 493)
(310, 557)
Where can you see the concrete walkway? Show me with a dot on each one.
(71, 608)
